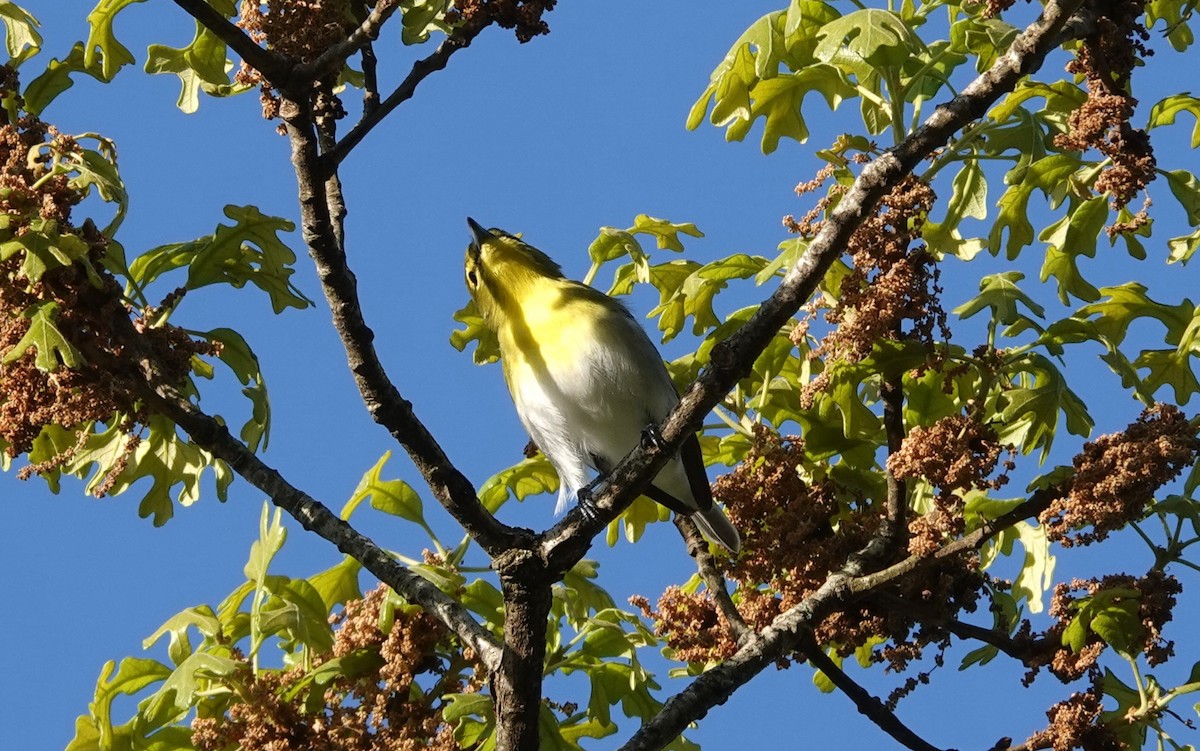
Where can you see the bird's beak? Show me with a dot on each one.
(478, 233)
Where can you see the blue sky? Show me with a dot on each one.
(554, 138)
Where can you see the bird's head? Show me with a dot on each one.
(500, 269)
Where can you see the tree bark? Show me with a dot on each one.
(517, 686)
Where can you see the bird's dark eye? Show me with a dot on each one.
(472, 279)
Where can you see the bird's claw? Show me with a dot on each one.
(651, 437)
(587, 504)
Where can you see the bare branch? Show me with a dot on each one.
(421, 70)
(273, 67)
(384, 402)
(868, 705)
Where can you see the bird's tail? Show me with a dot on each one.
(717, 527)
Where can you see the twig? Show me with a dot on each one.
(762, 649)
(370, 65)
(1038, 502)
(331, 60)
(1021, 651)
(868, 705)
(274, 67)
(896, 529)
(713, 579)
(421, 70)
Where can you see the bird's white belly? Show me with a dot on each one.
(586, 412)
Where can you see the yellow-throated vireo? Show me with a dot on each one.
(584, 376)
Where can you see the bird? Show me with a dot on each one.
(587, 382)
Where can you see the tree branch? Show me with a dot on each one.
(274, 67)
(384, 402)
(517, 686)
(868, 705)
(732, 359)
(896, 525)
(714, 581)
(372, 116)
(759, 651)
(314, 516)
(715, 686)
(1038, 502)
(331, 60)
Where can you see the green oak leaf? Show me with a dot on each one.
(21, 39)
(1186, 188)
(102, 44)
(880, 38)
(531, 476)
(487, 346)
(1165, 111)
(201, 67)
(236, 354)
(1000, 294)
(248, 251)
(1121, 305)
(51, 347)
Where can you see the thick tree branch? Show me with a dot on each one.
(868, 705)
(372, 116)
(384, 402)
(273, 67)
(568, 541)
(314, 516)
(517, 686)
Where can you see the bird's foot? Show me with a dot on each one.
(587, 502)
(651, 437)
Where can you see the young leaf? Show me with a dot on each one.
(1186, 188)
(487, 346)
(532, 476)
(102, 43)
(237, 355)
(249, 251)
(134, 674)
(21, 35)
(880, 38)
(1000, 293)
(1165, 111)
(200, 66)
(52, 348)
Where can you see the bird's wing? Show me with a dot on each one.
(697, 481)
